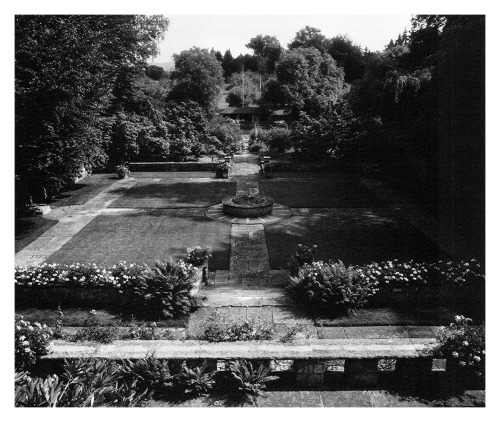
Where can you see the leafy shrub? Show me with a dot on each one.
(93, 332)
(195, 381)
(151, 375)
(254, 148)
(226, 131)
(164, 290)
(145, 331)
(221, 169)
(31, 342)
(332, 286)
(245, 381)
(464, 343)
(84, 383)
(122, 171)
(277, 139)
(219, 328)
(303, 255)
(198, 255)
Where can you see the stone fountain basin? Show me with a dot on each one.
(247, 210)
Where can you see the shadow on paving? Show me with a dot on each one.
(83, 191)
(28, 229)
(169, 194)
(330, 192)
(355, 236)
(144, 237)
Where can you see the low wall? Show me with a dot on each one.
(322, 364)
(173, 166)
(303, 167)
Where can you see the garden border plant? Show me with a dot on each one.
(164, 290)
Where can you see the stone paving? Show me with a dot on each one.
(346, 398)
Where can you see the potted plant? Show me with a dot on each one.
(222, 170)
(122, 171)
(198, 257)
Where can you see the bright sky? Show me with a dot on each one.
(232, 32)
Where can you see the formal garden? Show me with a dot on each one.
(166, 254)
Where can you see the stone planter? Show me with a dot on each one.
(247, 210)
(200, 277)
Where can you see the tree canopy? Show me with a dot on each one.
(66, 69)
(198, 77)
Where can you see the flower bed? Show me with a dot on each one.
(167, 289)
(336, 287)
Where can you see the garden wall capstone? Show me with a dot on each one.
(173, 166)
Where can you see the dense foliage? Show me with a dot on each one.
(161, 291)
(103, 382)
(198, 76)
(66, 70)
(464, 344)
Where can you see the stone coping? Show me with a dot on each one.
(278, 213)
(297, 349)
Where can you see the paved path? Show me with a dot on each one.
(356, 398)
(71, 219)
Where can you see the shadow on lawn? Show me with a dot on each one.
(355, 236)
(173, 194)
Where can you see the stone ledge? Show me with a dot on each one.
(194, 349)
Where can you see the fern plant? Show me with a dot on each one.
(195, 381)
(247, 382)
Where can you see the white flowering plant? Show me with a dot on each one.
(463, 343)
(31, 342)
(198, 255)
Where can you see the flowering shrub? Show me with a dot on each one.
(198, 255)
(162, 290)
(332, 285)
(31, 342)
(464, 343)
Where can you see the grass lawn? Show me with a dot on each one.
(174, 194)
(355, 236)
(334, 191)
(145, 236)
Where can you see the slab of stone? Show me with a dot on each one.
(264, 314)
(346, 399)
(291, 315)
(419, 332)
(331, 332)
(290, 399)
(375, 332)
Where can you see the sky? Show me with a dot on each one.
(223, 32)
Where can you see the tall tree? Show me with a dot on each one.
(310, 37)
(268, 49)
(349, 56)
(306, 80)
(243, 89)
(197, 77)
(66, 68)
